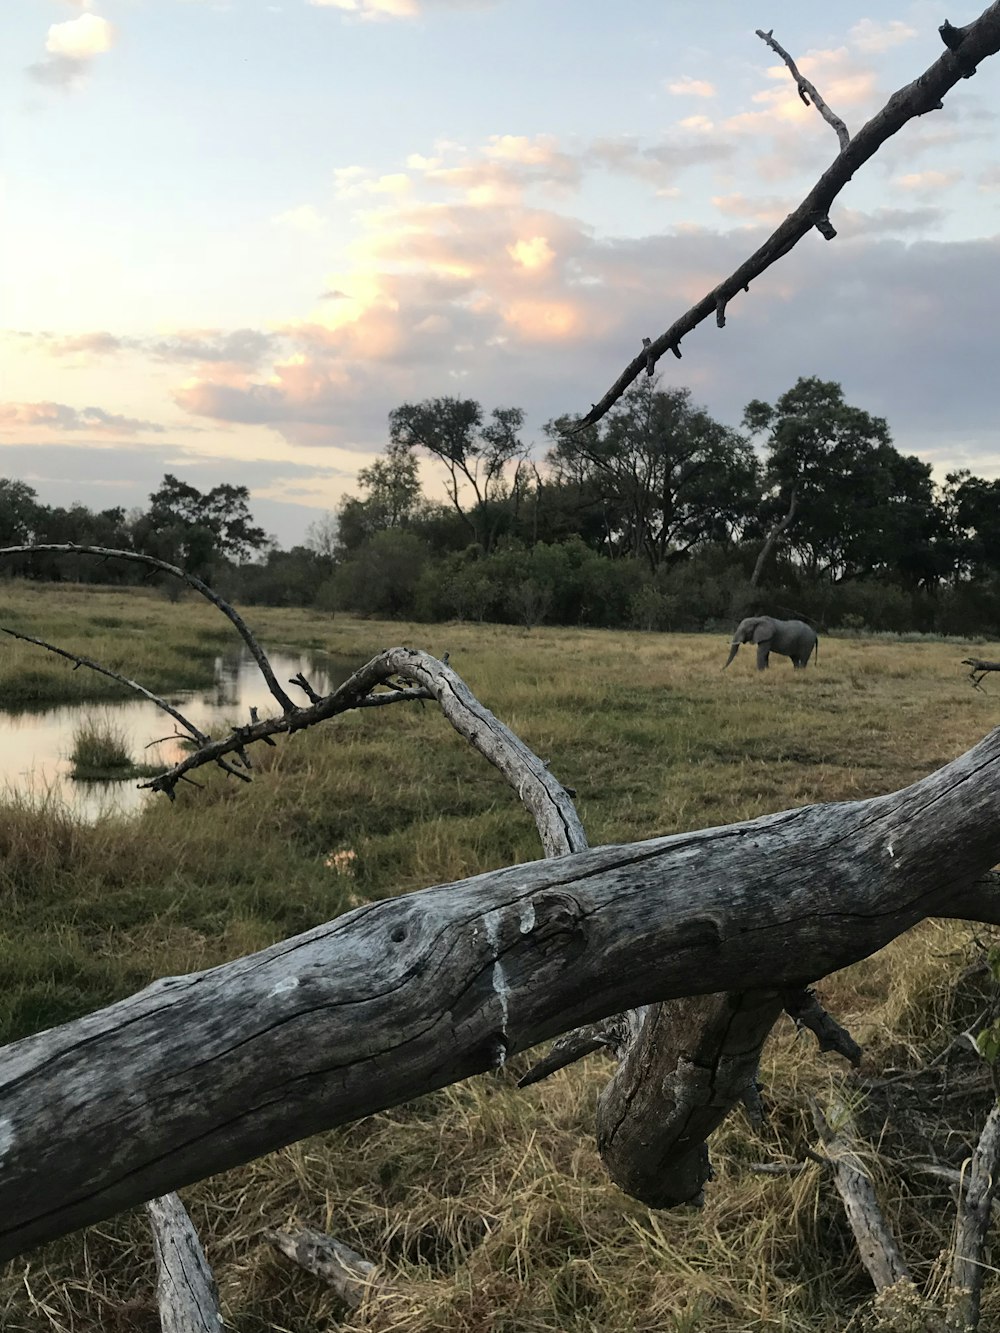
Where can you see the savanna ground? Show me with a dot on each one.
(488, 1205)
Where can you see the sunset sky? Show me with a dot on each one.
(235, 235)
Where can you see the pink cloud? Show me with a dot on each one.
(61, 417)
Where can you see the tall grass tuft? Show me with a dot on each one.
(100, 751)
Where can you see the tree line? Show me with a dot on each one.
(657, 517)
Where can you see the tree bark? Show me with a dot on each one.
(203, 1072)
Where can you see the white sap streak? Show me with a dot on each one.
(283, 986)
(526, 913)
(491, 923)
(6, 1137)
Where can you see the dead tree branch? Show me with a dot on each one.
(975, 1203)
(352, 1277)
(807, 90)
(879, 1252)
(185, 1288)
(199, 1073)
(967, 48)
(804, 1008)
(91, 665)
(980, 669)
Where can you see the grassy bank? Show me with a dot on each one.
(489, 1204)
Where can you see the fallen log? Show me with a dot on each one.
(199, 1073)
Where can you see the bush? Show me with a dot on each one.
(383, 576)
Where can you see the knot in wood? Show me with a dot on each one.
(557, 915)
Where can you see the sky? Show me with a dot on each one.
(235, 235)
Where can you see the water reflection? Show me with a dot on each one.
(34, 747)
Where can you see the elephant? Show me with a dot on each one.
(791, 638)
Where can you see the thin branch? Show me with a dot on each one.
(804, 1008)
(91, 665)
(807, 90)
(139, 557)
(772, 537)
(979, 40)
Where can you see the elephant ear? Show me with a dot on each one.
(763, 632)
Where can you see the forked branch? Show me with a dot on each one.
(966, 48)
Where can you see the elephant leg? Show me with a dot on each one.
(763, 652)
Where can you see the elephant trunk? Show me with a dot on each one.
(734, 648)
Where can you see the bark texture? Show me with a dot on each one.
(202, 1072)
(185, 1287)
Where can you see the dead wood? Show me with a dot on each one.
(199, 1073)
(966, 48)
(876, 1244)
(185, 1288)
(977, 1191)
(352, 1277)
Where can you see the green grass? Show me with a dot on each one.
(488, 1205)
(101, 753)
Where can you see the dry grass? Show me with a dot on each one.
(487, 1205)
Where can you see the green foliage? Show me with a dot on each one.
(862, 507)
(99, 748)
(665, 475)
(383, 576)
(195, 530)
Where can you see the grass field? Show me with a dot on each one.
(488, 1205)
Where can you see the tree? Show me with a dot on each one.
(973, 508)
(392, 499)
(19, 511)
(475, 455)
(321, 536)
(665, 475)
(860, 506)
(199, 529)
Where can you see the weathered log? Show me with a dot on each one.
(203, 1072)
(185, 1287)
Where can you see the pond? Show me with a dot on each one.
(35, 746)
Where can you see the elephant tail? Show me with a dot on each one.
(815, 652)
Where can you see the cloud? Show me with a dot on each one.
(398, 9)
(874, 38)
(763, 210)
(70, 49)
(237, 347)
(927, 182)
(303, 218)
(59, 416)
(533, 253)
(688, 87)
(372, 9)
